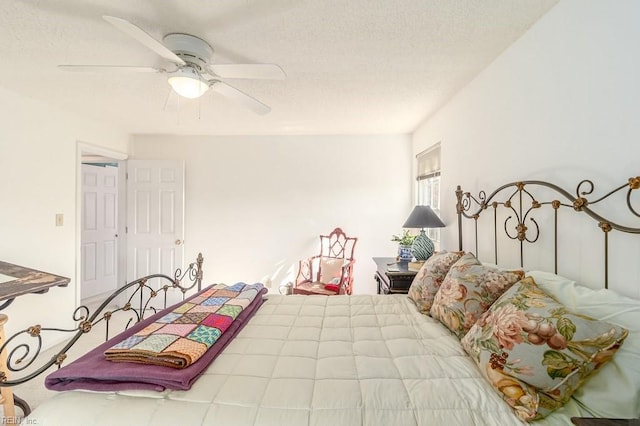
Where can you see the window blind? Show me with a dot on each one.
(429, 162)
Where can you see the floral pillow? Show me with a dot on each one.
(535, 352)
(467, 292)
(427, 281)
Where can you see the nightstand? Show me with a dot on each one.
(393, 277)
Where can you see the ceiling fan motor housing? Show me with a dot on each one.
(193, 50)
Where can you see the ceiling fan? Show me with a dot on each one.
(194, 74)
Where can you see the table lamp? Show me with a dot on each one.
(422, 217)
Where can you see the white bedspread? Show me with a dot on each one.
(314, 360)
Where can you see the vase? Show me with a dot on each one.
(404, 253)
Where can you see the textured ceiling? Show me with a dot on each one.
(353, 66)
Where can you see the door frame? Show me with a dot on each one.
(83, 149)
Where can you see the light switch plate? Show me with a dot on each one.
(59, 219)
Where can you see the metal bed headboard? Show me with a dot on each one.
(520, 203)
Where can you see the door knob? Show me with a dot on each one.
(178, 242)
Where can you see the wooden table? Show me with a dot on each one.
(393, 276)
(25, 281)
(16, 281)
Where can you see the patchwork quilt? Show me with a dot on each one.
(181, 336)
(94, 372)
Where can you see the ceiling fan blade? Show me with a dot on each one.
(108, 68)
(234, 94)
(257, 71)
(141, 36)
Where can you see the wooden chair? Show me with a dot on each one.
(330, 272)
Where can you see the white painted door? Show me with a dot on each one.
(155, 215)
(99, 255)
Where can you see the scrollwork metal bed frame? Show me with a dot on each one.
(517, 198)
(138, 304)
(520, 203)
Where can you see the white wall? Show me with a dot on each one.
(561, 104)
(37, 180)
(255, 205)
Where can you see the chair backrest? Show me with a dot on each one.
(337, 245)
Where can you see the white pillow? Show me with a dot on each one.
(615, 391)
(330, 270)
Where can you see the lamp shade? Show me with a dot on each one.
(423, 217)
(188, 83)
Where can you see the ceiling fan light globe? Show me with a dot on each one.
(188, 83)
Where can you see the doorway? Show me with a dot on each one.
(101, 203)
(152, 201)
(99, 224)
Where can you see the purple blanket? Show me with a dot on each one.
(94, 372)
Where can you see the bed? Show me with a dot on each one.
(386, 359)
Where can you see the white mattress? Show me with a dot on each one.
(314, 360)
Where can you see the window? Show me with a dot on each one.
(428, 185)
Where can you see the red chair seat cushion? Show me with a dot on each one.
(315, 288)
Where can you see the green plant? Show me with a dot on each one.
(405, 240)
